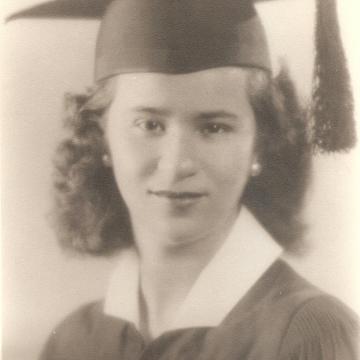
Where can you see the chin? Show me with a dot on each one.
(179, 232)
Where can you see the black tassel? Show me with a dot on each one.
(332, 107)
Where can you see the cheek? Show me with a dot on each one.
(230, 164)
(131, 162)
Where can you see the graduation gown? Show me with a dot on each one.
(272, 313)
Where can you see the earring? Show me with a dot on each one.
(255, 169)
(106, 160)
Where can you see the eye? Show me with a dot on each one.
(215, 128)
(150, 125)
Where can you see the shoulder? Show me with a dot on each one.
(80, 333)
(321, 327)
(82, 321)
(305, 322)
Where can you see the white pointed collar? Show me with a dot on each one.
(245, 255)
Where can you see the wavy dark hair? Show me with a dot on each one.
(90, 214)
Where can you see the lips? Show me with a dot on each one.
(177, 195)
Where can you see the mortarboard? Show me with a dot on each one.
(179, 36)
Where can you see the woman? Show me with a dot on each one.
(193, 161)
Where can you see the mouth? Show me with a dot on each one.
(180, 196)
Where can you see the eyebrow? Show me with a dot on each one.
(152, 110)
(210, 115)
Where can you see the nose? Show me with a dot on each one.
(176, 161)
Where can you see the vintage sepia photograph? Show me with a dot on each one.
(180, 179)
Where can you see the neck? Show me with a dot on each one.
(168, 272)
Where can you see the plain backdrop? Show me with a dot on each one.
(43, 59)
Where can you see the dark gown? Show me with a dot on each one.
(282, 317)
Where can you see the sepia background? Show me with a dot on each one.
(43, 59)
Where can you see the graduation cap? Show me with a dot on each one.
(180, 36)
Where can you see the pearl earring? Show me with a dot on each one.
(106, 160)
(255, 169)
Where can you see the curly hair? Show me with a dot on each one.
(276, 196)
(90, 215)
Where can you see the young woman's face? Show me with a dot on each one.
(181, 148)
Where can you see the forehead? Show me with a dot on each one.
(217, 86)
